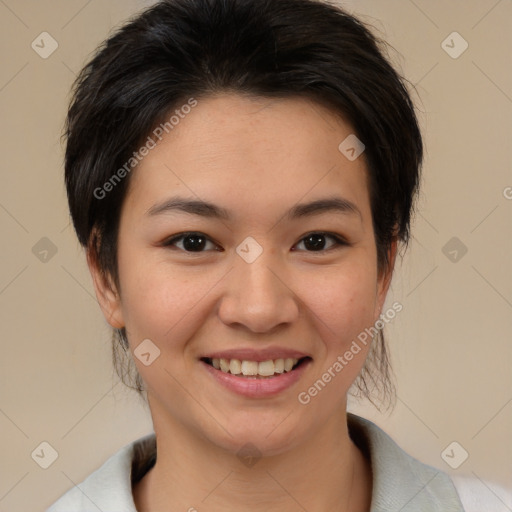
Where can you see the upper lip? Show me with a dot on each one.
(248, 354)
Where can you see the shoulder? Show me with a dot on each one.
(401, 482)
(109, 488)
(477, 495)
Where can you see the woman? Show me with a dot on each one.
(241, 174)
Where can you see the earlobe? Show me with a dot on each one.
(106, 292)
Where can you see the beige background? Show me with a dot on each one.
(451, 345)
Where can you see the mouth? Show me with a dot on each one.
(252, 370)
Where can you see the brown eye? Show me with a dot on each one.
(190, 242)
(316, 242)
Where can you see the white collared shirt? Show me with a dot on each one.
(400, 482)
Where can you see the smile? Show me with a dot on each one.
(262, 379)
(255, 369)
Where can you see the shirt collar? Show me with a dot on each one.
(400, 482)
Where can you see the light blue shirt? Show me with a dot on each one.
(400, 482)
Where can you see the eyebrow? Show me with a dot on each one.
(206, 209)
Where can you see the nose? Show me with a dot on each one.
(258, 296)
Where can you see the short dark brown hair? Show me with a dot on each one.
(178, 49)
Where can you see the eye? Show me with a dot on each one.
(191, 242)
(316, 242)
(198, 242)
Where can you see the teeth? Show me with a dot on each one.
(249, 367)
(266, 368)
(288, 364)
(235, 366)
(254, 368)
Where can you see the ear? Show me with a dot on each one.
(106, 292)
(384, 277)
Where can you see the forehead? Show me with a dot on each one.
(251, 151)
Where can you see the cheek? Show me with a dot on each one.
(342, 308)
(162, 303)
(342, 303)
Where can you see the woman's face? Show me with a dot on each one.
(249, 284)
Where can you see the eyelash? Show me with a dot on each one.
(338, 241)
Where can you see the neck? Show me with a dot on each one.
(328, 472)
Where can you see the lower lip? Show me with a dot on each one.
(257, 388)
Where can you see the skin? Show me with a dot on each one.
(257, 158)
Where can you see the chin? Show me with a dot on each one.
(266, 434)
